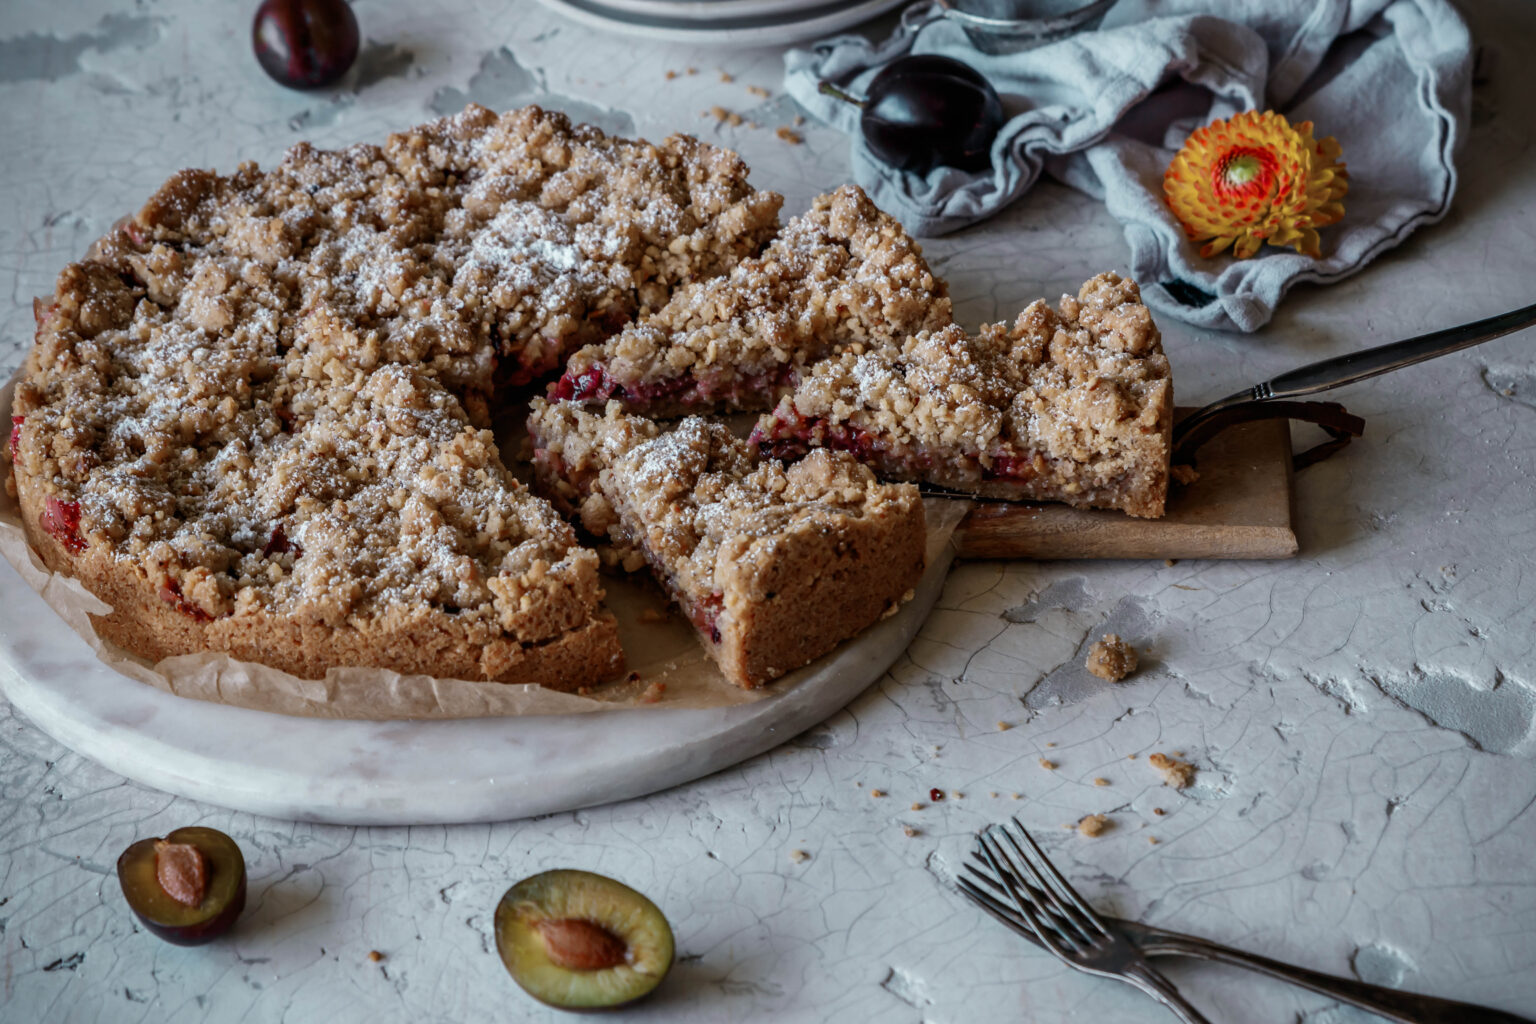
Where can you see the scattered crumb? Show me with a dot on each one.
(955, 794)
(753, 125)
(691, 71)
(653, 615)
(1153, 840)
(374, 956)
(1130, 757)
(719, 113)
(1004, 726)
(788, 134)
(727, 77)
(1111, 658)
(757, 90)
(799, 856)
(1018, 796)
(1101, 782)
(1052, 744)
(909, 831)
(671, 75)
(1158, 811)
(1176, 773)
(1185, 475)
(1170, 562)
(917, 807)
(1092, 825)
(583, 691)
(799, 120)
(877, 793)
(993, 794)
(1049, 766)
(653, 693)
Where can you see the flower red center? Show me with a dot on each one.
(1243, 174)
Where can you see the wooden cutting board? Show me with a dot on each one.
(1240, 507)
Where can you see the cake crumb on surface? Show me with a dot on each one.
(1049, 766)
(759, 91)
(1185, 475)
(1004, 726)
(653, 693)
(1153, 840)
(374, 956)
(799, 856)
(1158, 811)
(1092, 825)
(917, 807)
(789, 135)
(1176, 773)
(877, 793)
(727, 77)
(909, 831)
(1111, 658)
(1101, 782)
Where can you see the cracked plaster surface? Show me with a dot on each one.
(1361, 717)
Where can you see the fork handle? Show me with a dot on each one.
(1144, 977)
(1404, 1007)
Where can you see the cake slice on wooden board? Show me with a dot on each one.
(843, 275)
(773, 565)
(1073, 404)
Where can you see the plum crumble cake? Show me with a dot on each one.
(251, 419)
(844, 275)
(1073, 404)
(774, 566)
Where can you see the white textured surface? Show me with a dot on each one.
(1362, 716)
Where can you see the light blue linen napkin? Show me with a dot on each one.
(1105, 111)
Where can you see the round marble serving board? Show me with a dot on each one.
(410, 772)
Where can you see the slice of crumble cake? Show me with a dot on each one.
(844, 275)
(774, 566)
(1073, 404)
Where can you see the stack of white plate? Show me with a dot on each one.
(723, 22)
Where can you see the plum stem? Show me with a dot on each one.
(827, 88)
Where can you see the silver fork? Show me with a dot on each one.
(1065, 924)
(1392, 1004)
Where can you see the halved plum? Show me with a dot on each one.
(580, 941)
(187, 888)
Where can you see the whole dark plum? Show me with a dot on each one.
(305, 44)
(928, 111)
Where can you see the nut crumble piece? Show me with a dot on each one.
(1072, 404)
(1111, 658)
(774, 566)
(1175, 773)
(1093, 825)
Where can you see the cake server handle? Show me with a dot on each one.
(1357, 366)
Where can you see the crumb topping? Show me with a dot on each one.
(1176, 773)
(844, 274)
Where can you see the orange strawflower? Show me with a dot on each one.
(1255, 178)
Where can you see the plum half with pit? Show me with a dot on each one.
(305, 44)
(187, 888)
(928, 111)
(581, 941)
